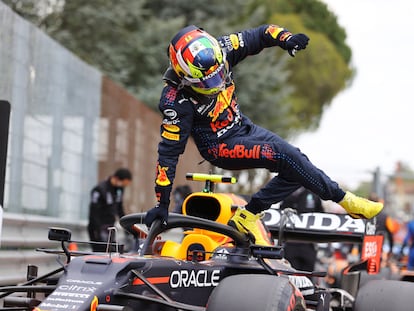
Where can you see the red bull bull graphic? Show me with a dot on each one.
(223, 101)
(162, 178)
(274, 30)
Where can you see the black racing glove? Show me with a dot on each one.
(295, 43)
(158, 212)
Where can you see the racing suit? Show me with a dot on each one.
(227, 138)
(105, 205)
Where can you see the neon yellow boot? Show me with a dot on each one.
(250, 224)
(359, 207)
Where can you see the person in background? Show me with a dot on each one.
(302, 255)
(106, 205)
(199, 100)
(180, 194)
(386, 225)
(409, 241)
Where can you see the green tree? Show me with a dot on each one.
(314, 15)
(127, 40)
(317, 75)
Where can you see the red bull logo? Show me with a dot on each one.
(274, 30)
(94, 303)
(162, 178)
(223, 101)
(239, 152)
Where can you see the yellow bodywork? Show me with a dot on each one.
(218, 207)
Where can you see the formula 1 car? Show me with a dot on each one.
(211, 267)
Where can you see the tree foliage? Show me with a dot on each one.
(127, 40)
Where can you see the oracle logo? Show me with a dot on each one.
(194, 278)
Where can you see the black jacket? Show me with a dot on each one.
(105, 204)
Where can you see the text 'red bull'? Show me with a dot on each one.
(239, 152)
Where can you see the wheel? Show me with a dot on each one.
(246, 292)
(385, 295)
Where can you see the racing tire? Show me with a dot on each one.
(385, 295)
(246, 292)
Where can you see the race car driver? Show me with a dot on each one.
(199, 99)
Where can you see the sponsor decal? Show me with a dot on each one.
(77, 288)
(175, 121)
(324, 222)
(171, 128)
(162, 178)
(152, 280)
(234, 41)
(274, 31)
(223, 101)
(371, 251)
(170, 113)
(55, 306)
(194, 278)
(221, 126)
(170, 97)
(64, 300)
(203, 108)
(188, 38)
(225, 42)
(89, 282)
(284, 36)
(241, 40)
(212, 74)
(221, 253)
(303, 283)
(239, 152)
(94, 303)
(218, 126)
(218, 109)
(170, 136)
(371, 227)
(71, 295)
(224, 130)
(268, 152)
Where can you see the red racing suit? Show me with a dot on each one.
(228, 139)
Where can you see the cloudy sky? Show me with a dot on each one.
(371, 123)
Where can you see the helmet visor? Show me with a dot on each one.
(213, 83)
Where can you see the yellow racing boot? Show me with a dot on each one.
(251, 224)
(359, 207)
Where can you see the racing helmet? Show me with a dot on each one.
(197, 58)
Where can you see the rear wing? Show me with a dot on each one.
(317, 227)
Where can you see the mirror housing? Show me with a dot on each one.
(59, 234)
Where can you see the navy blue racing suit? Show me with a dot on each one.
(230, 140)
